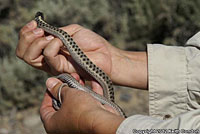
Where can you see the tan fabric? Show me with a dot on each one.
(174, 90)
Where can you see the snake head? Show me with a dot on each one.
(39, 14)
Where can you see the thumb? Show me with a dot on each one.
(72, 29)
(53, 85)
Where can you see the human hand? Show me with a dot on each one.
(46, 53)
(43, 52)
(79, 113)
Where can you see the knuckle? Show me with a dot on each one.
(57, 41)
(26, 37)
(75, 25)
(38, 41)
(27, 59)
(46, 53)
(22, 31)
(72, 28)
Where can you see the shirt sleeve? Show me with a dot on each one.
(174, 89)
(188, 122)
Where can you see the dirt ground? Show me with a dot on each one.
(132, 101)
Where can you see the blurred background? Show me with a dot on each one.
(126, 24)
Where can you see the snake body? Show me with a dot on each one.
(84, 62)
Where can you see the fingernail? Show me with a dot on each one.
(37, 31)
(50, 83)
(30, 24)
(50, 37)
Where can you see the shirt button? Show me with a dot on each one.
(167, 116)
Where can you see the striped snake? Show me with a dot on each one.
(84, 62)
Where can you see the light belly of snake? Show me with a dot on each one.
(73, 83)
(84, 62)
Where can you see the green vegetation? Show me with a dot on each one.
(127, 24)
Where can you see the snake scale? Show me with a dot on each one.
(84, 62)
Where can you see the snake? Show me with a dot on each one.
(85, 63)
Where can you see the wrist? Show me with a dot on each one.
(99, 121)
(102, 121)
(129, 68)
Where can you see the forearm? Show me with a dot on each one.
(129, 68)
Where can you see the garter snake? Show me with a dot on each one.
(84, 62)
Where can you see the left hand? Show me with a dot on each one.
(79, 113)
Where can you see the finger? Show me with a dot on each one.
(48, 114)
(46, 109)
(53, 85)
(27, 36)
(58, 62)
(28, 27)
(76, 31)
(97, 88)
(26, 40)
(77, 77)
(53, 48)
(72, 29)
(33, 54)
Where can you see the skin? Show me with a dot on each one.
(80, 113)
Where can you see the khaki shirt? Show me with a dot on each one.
(174, 91)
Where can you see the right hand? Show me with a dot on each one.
(79, 112)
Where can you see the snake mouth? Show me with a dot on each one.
(39, 14)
